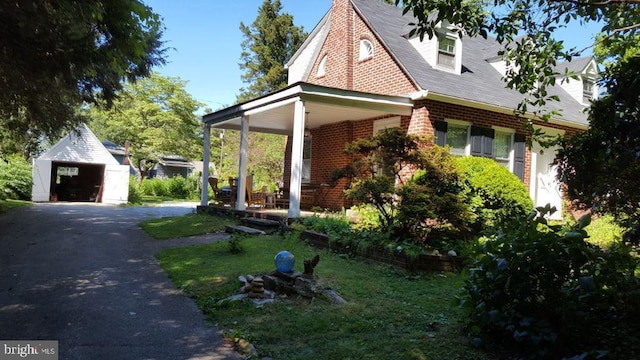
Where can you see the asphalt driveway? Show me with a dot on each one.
(85, 275)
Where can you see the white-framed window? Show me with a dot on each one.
(379, 125)
(447, 52)
(366, 49)
(503, 147)
(322, 67)
(458, 137)
(306, 159)
(587, 89)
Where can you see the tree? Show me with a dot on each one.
(269, 43)
(601, 166)
(156, 116)
(55, 55)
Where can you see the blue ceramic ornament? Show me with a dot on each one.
(284, 261)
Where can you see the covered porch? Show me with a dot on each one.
(294, 111)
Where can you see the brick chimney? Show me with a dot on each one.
(341, 43)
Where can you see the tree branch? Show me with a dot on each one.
(597, 4)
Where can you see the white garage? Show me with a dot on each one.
(79, 168)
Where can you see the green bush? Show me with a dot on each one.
(16, 179)
(179, 188)
(494, 194)
(135, 195)
(432, 205)
(543, 290)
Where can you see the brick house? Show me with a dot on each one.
(359, 72)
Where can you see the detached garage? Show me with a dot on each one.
(80, 168)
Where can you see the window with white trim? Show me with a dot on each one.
(447, 52)
(366, 49)
(587, 89)
(502, 145)
(322, 67)
(502, 148)
(379, 125)
(306, 159)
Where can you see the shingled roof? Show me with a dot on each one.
(479, 81)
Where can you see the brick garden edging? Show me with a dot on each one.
(421, 263)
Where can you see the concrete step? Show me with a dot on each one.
(261, 223)
(268, 226)
(241, 229)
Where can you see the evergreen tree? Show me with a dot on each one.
(269, 43)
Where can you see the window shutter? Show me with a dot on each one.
(476, 141)
(481, 141)
(441, 133)
(487, 142)
(519, 155)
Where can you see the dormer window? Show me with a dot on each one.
(322, 67)
(587, 89)
(447, 53)
(366, 50)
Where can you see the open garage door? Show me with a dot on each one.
(41, 189)
(116, 184)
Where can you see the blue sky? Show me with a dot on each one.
(203, 37)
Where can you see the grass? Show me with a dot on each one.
(603, 231)
(391, 314)
(6, 205)
(183, 226)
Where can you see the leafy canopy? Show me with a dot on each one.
(156, 116)
(54, 55)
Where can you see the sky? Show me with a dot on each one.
(204, 41)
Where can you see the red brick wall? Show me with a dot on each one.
(379, 74)
(439, 111)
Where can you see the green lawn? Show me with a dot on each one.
(7, 205)
(391, 314)
(188, 225)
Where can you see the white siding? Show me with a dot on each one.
(300, 68)
(81, 146)
(573, 87)
(427, 48)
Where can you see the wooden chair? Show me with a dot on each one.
(213, 182)
(255, 198)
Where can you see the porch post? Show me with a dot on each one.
(242, 164)
(296, 159)
(204, 198)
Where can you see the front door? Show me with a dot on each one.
(546, 188)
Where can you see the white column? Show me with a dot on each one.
(297, 144)
(242, 164)
(204, 198)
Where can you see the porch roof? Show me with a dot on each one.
(274, 113)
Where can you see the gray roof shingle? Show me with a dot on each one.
(479, 80)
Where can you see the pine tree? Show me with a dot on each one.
(269, 43)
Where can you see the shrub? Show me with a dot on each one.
(366, 217)
(16, 179)
(178, 187)
(494, 194)
(547, 292)
(432, 206)
(135, 195)
(159, 187)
